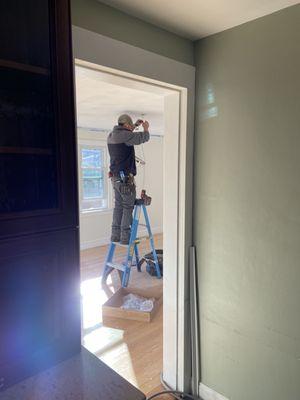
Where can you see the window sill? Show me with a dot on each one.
(93, 212)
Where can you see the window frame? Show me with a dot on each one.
(101, 145)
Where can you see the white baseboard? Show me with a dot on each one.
(94, 243)
(207, 393)
(104, 241)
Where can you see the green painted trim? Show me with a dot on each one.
(105, 20)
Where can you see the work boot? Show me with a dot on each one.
(115, 238)
(125, 241)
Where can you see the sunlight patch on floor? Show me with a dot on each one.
(102, 339)
(118, 358)
(92, 298)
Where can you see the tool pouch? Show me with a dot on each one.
(126, 188)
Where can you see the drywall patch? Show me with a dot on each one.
(207, 393)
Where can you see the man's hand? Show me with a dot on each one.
(138, 123)
(145, 126)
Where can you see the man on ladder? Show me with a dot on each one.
(121, 142)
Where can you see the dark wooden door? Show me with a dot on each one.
(39, 248)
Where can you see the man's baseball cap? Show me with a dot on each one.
(125, 119)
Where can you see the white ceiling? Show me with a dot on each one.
(199, 18)
(99, 103)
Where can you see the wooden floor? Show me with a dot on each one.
(132, 348)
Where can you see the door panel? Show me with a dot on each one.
(39, 299)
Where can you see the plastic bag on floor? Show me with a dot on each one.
(137, 303)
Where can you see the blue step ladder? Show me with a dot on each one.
(124, 268)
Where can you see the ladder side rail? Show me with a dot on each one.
(137, 256)
(131, 245)
(134, 229)
(151, 241)
(107, 268)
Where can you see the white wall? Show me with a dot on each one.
(95, 226)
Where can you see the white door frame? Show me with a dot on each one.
(175, 80)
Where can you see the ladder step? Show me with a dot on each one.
(140, 239)
(120, 267)
(120, 244)
(136, 241)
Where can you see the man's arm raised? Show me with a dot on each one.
(136, 138)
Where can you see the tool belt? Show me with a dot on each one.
(127, 188)
(128, 179)
(121, 178)
(127, 183)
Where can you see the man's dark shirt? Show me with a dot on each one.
(121, 143)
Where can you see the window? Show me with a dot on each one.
(94, 193)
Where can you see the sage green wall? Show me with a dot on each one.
(247, 207)
(98, 17)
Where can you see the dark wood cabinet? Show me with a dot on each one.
(25, 33)
(39, 297)
(39, 247)
(37, 119)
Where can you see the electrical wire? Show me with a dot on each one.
(166, 386)
(140, 162)
(181, 395)
(166, 392)
(144, 171)
(143, 157)
(175, 393)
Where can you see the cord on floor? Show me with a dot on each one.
(175, 393)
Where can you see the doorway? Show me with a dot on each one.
(176, 81)
(133, 348)
(111, 341)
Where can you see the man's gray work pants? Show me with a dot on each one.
(125, 195)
